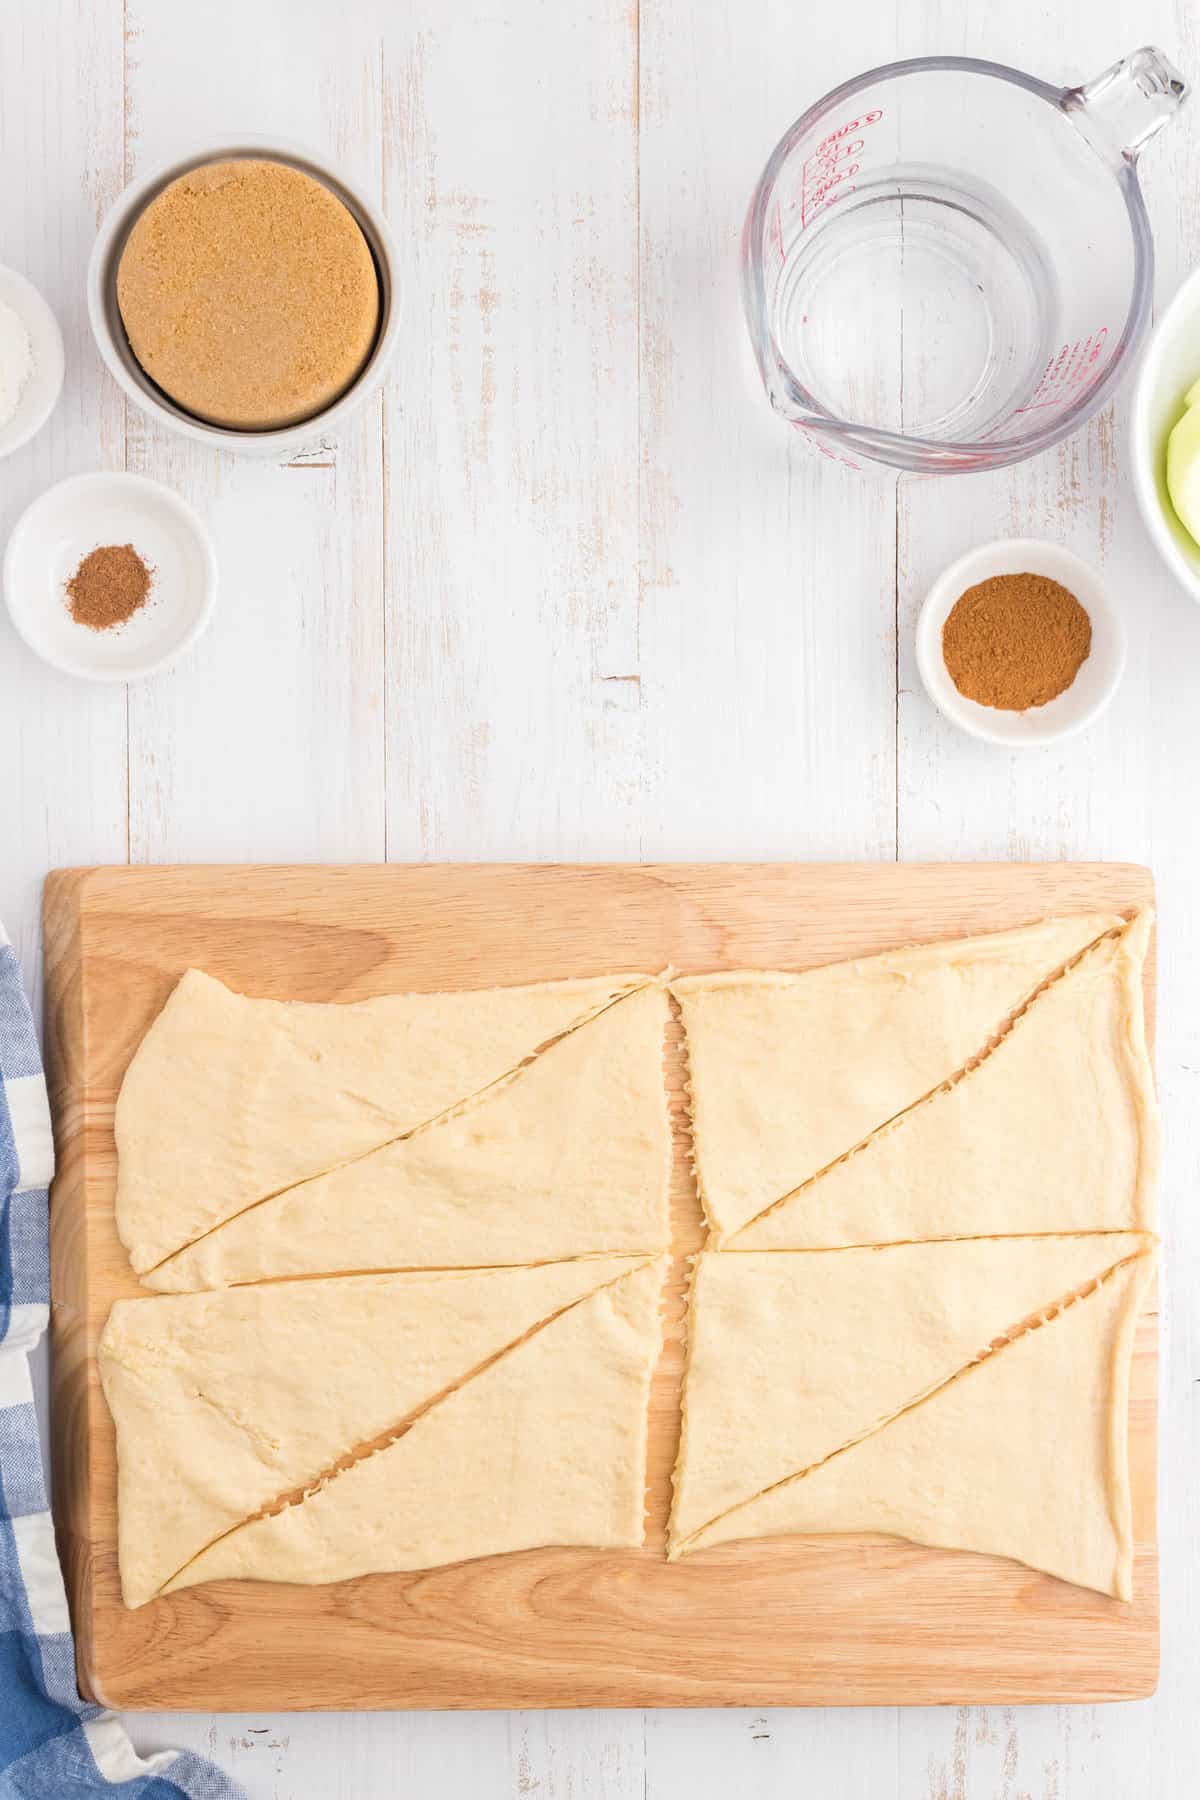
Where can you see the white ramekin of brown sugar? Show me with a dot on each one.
(304, 368)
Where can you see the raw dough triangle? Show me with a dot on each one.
(1024, 1455)
(789, 1072)
(571, 1156)
(547, 1446)
(1055, 1130)
(224, 1401)
(794, 1354)
(228, 1099)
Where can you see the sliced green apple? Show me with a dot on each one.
(1183, 464)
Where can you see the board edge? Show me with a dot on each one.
(70, 1398)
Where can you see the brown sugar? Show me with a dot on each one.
(249, 294)
(1015, 641)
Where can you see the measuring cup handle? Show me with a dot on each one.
(1122, 108)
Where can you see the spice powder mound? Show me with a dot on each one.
(109, 586)
(1015, 641)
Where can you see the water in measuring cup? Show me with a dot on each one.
(917, 305)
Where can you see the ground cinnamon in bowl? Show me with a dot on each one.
(109, 586)
(1015, 641)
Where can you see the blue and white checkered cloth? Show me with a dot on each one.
(53, 1746)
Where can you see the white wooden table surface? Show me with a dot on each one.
(569, 591)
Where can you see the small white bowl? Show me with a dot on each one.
(109, 331)
(39, 396)
(1170, 365)
(57, 531)
(1092, 688)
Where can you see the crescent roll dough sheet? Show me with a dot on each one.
(1023, 1455)
(792, 1355)
(1056, 1129)
(224, 1401)
(569, 1157)
(228, 1099)
(546, 1446)
(788, 1072)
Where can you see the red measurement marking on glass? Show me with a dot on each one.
(821, 447)
(827, 174)
(776, 232)
(1066, 372)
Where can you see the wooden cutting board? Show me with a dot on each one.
(833, 1621)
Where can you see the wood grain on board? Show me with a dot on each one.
(781, 1622)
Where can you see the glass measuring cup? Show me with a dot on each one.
(947, 263)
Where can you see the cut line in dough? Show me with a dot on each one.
(570, 1155)
(787, 1072)
(794, 1355)
(544, 1262)
(545, 1446)
(1071, 1066)
(210, 1111)
(1022, 1454)
(224, 1400)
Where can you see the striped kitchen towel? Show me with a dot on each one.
(52, 1744)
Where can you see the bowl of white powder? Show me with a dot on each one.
(31, 361)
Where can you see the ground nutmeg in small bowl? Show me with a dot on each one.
(1015, 641)
(111, 583)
